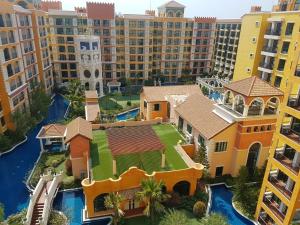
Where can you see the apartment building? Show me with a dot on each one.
(287, 5)
(267, 44)
(225, 47)
(138, 47)
(24, 57)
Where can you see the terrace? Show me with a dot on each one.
(142, 147)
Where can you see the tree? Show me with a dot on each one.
(202, 157)
(152, 195)
(205, 91)
(174, 217)
(5, 142)
(22, 122)
(214, 219)
(76, 98)
(1, 212)
(39, 103)
(199, 209)
(113, 201)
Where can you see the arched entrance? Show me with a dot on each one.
(253, 157)
(99, 202)
(182, 188)
(98, 87)
(87, 86)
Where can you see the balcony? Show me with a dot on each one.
(265, 65)
(294, 102)
(273, 32)
(290, 133)
(274, 207)
(270, 49)
(280, 186)
(287, 157)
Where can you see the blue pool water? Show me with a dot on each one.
(221, 200)
(215, 96)
(71, 203)
(15, 165)
(128, 115)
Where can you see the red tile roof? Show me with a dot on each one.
(79, 126)
(46, 5)
(52, 130)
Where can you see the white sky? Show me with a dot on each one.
(215, 8)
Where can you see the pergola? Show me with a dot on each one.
(52, 133)
(128, 140)
(113, 84)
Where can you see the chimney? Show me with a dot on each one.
(255, 8)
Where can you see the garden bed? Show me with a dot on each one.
(56, 163)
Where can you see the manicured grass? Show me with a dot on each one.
(114, 104)
(122, 100)
(170, 137)
(148, 161)
(101, 156)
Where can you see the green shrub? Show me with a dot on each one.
(199, 209)
(69, 182)
(174, 217)
(5, 143)
(214, 219)
(17, 219)
(128, 103)
(68, 167)
(56, 219)
(175, 200)
(55, 163)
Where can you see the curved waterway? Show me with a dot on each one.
(14, 166)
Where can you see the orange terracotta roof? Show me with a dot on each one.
(52, 130)
(253, 87)
(77, 127)
(91, 94)
(202, 117)
(159, 93)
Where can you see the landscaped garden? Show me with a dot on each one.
(149, 161)
(55, 163)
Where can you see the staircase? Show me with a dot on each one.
(37, 213)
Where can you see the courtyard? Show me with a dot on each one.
(150, 160)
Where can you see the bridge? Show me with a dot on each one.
(41, 199)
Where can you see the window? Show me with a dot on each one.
(255, 129)
(156, 107)
(249, 129)
(269, 127)
(87, 74)
(281, 65)
(262, 128)
(221, 146)
(289, 29)
(219, 171)
(277, 81)
(2, 122)
(201, 140)
(189, 128)
(285, 47)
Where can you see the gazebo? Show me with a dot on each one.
(113, 84)
(52, 136)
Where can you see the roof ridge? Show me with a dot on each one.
(252, 84)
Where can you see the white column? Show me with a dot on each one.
(163, 160)
(114, 167)
(246, 108)
(41, 144)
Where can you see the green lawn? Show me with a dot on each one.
(114, 104)
(170, 137)
(101, 156)
(148, 161)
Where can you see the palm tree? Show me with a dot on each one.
(152, 195)
(113, 201)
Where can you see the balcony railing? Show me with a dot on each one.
(266, 65)
(263, 221)
(290, 133)
(274, 207)
(280, 186)
(288, 163)
(270, 49)
(274, 32)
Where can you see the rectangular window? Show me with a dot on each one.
(289, 28)
(281, 65)
(285, 47)
(221, 146)
(156, 107)
(189, 128)
(201, 140)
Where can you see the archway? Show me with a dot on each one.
(182, 188)
(97, 73)
(256, 107)
(228, 98)
(253, 157)
(99, 202)
(271, 106)
(87, 86)
(97, 87)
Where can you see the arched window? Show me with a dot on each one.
(97, 87)
(239, 104)
(99, 203)
(253, 157)
(96, 73)
(87, 86)
(255, 107)
(87, 74)
(170, 14)
(228, 99)
(182, 188)
(271, 106)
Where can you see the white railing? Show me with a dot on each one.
(33, 197)
(49, 198)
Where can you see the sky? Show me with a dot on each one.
(215, 8)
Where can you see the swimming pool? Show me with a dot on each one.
(221, 202)
(128, 115)
(71, 203)
(14, 166)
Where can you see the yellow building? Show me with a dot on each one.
(267, 46)
(24, 57)
(280, 193)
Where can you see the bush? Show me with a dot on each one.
(5, 143)
(17, 219)
(55, 163)
(199, 209)
(69, 182)
(214, 219)
(68, 167)
(128, 103)
(174, 217)
(174, 201)
(56, 219)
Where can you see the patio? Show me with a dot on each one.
(149, 158)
